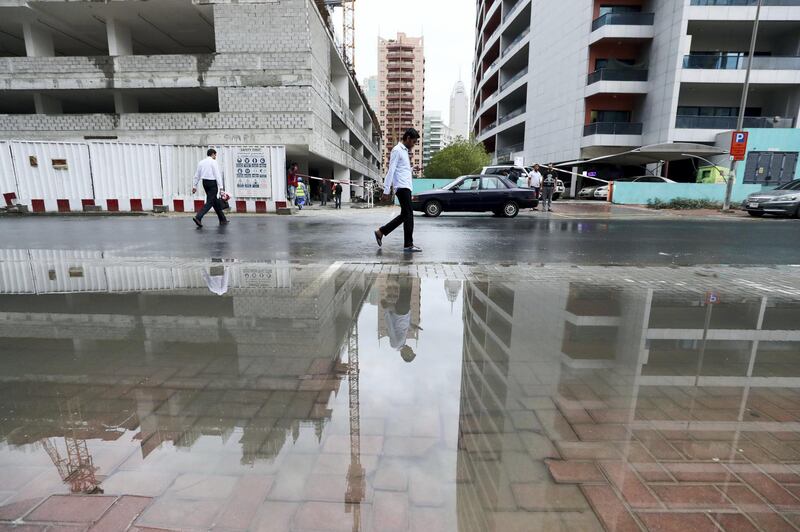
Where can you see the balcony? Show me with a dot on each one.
(514, 9)
(519, 111)
(730, 68)
(518, 39)
(488, 127)
(730, 122)
(637, 26)
(612, 134)
(617, 81)
(513, 79)
(506, 152)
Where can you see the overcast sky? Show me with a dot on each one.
(449, 30)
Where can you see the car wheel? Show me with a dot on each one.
(433, 209)
(510, 209)
(756, 214)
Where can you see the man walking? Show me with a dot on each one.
(208, 171)
(399, 178)
(549, 187)
(337, 200)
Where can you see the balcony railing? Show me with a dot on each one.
(730, 122)
(617, 74)
(489, 126)
(612, 128)
(623, 19)
(510, 116)
(513, 9)
(744, 2)
(510, 81)
(505, 152)
(516, 41)
(738, 61)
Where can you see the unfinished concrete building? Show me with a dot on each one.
(199, 72)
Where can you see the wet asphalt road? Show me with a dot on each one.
(478, 239)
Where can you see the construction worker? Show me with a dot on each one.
(300, 193)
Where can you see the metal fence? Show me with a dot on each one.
(120, 176)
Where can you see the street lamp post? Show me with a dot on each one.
(740, 123)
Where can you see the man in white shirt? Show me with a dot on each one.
(536, 181)
(396, 305)
(208, 171)
(399, 178)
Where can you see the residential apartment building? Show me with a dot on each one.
(436, 135)
(559, 81)
(186, 72)
(401, 92)
(459, 111)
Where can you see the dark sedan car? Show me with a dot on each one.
(783, 201)
(476, 193)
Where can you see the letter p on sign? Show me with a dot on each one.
(739, 145)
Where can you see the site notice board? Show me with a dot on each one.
(253, 172)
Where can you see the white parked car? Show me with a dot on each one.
(601, 193)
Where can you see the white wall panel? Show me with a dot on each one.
(178, 166)
(8, 181)
(139, 278)
(123, 171)
(38, 179)
(16, 275)
(72, 271)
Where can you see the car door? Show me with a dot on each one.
(465, 197)
(494, 193)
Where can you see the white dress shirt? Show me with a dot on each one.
(397, 326)
(217, 283)
(208, 168)
(536, 179)
(399, 174)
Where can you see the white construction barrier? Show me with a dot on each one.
(53, 176)
(126, 177)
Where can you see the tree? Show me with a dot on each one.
(462, 157)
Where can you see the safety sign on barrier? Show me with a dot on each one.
(252, 172)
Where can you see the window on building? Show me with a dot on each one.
(690, 110)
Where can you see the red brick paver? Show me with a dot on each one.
(677, 522)
(684, 496)
(122, 514)
(72, 508)
(248, 494)
(610, 509)
(572, 472)
(632, 489)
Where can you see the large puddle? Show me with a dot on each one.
(269, 396)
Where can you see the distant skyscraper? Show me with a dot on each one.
(436, 135)
(459, 111)
(401, 92)
(370, 86)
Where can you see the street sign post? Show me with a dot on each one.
(739, 145)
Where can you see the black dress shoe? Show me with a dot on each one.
(196, 221)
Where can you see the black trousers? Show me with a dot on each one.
(212, 201)
(406, 217)
(324, 198)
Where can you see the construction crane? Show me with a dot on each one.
(77, 468)
(356, 473)
(348, 30)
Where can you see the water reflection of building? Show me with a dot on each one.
(148, 348)
(665, 358)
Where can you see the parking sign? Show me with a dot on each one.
(739, 145)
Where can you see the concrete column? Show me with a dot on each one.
(342, 84)
(358, 111)
(38, 40)
(119, 38)
(125, 103)
(573, 187)
(47, 105)
(342, 173)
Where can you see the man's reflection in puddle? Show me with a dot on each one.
(396, 306)
(217, 278)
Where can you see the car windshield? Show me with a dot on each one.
(453, 184)
(791, 185)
